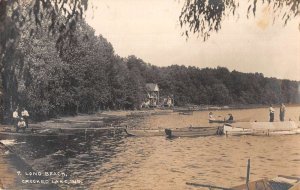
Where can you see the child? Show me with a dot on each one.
(22, 124)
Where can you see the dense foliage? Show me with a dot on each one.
(18, 17)
(87, 76)
(53, 64)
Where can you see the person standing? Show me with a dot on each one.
(16, 119)
(22, 124)
(282, 112)
(272, 111)
(25, 115)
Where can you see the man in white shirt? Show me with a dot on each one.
(25, 115)
(272, 111)
(16, 119)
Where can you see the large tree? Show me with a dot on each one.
(206, 16)
(14, 18)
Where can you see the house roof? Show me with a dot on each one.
(152, 87)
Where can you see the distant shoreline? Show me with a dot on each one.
(227, 107)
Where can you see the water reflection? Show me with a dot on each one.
(209, 160)
(106, 162)
(80, 157)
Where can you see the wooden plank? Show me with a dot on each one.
(207, 186)
(262, 128)
(276, 126)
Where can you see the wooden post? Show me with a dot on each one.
(1, 108)
(248, 174)
(157, 97)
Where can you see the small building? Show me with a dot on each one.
(152, 94)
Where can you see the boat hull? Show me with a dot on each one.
(144, 132)
(194, 131)
(13, 135)
(280, 182)
(9, 133)
(262, 128)
(216, 121)
(220, 121)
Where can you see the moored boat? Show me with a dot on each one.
(144, 132)
(219, 121)
(278, 183)
(47, 132)
(12, 135)
(230, 129)
(194, 131)
(216, 121)
(262, 128)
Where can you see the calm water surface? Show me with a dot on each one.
(158, 163)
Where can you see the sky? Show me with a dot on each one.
(150, 30)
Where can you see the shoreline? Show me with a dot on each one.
(121, 118)
(229, 107)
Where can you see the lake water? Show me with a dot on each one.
(118, 162)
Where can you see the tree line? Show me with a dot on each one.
(85, 75)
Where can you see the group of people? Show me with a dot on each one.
(281, 112)
(212, 118)
(20, 119)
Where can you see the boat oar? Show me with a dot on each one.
(208, 186)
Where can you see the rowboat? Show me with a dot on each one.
(48, 132)
(220, 121)
(12, 135)
(144, 132)
(278, 183)
(216, 121)
(194, 131)
(262, 128)
(281, 182)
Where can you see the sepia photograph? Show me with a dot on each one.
(150, 94)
